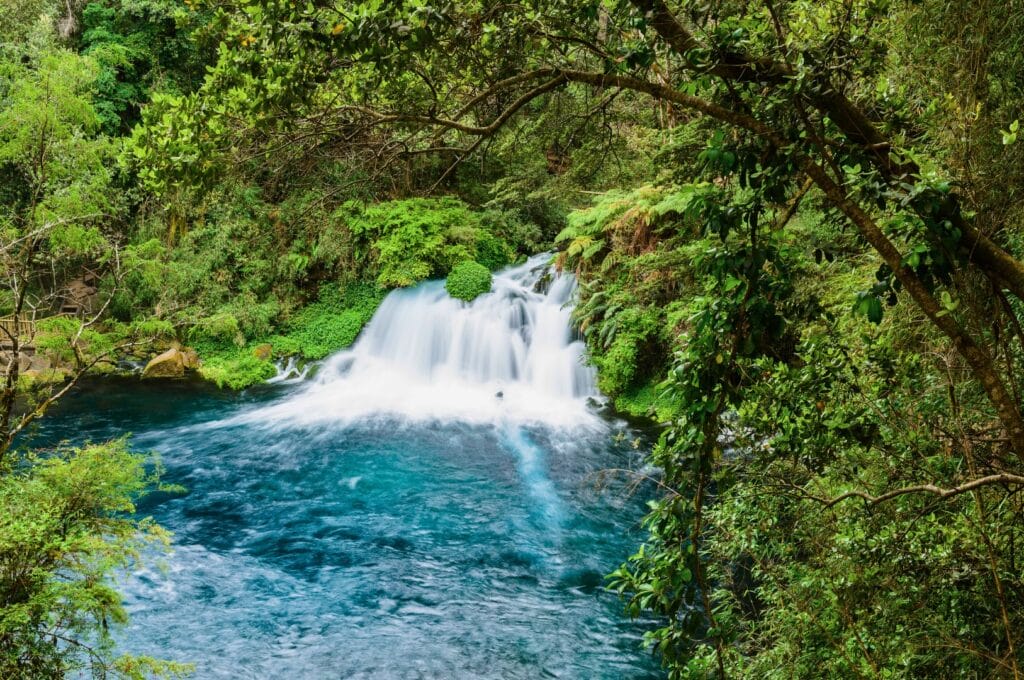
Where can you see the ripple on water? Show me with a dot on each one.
(412, 550)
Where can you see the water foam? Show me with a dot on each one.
(508, 356)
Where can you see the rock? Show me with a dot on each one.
(170, 364)
(543, 285)
(190, 358)
(39, 363)
(263, 352)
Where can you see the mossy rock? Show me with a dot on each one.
(468, 280)
(170, 364)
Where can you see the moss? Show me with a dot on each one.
(646, 401)
(236, 368)
(468, 280)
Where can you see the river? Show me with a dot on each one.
(427, 505)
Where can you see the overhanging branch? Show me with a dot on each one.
(1002, 478)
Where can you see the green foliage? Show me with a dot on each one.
(625, 338)
(65, 531)
(331, 323)
(468, 280)
(233, 367)
(138, 45)
(492, 252)
(416, 238)
(24, 21)
(48, 144)
(634, 251)
(647, 401)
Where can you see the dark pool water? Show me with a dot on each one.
(380, 549)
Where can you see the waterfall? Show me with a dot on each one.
(508, 356)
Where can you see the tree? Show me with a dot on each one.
(65, 524)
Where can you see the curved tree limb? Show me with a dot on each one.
(1003, 478)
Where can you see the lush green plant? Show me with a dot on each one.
(331, 323)
(415, 239)
(468, 280)
(233, 367)
(492, 252)
(138, 44)
(66, 529)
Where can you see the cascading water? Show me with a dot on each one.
(509, 355)
(423, 507)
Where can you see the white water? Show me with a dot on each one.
(288, 371)
(508, 356)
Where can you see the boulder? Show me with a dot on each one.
(170, 364)
(39, 363)
(263, 352)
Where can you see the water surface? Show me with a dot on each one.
(394, 517)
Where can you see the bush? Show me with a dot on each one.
(416, 238)
(66, 530)
(468, 280)
(492, 252)
(331, 323)
(234, 367)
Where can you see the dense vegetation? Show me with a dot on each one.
(468, 280)
(796, 225)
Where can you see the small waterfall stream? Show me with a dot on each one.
(508, 356)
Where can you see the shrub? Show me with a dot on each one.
(492, 252)
(468, 280)
(66, 530)
(331, 323)
(234, 367)
(416, 238)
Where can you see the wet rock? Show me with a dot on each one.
(543, 284)
(170, 364)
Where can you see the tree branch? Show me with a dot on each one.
(1002, 478)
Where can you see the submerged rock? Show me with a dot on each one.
(170, 364)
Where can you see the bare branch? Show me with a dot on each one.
(1002, 478)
